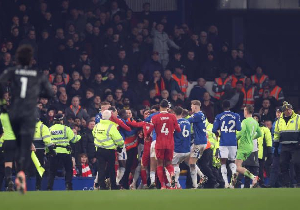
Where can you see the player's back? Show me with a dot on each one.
(182, 139)
(164, 126)
(26, 87)
(228, 123)
(249, 128)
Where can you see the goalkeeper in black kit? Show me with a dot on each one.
(26, 86)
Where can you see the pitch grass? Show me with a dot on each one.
(220, 199)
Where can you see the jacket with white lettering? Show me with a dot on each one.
(27, 85)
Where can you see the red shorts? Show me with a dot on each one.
(164, 154)
(146, 154)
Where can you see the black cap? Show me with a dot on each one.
(58, 117)
(83, 53)
(164, 103)
(180, 66)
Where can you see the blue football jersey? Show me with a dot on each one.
(198, 120)
(148, 120)
(228, 123)
(182, 139)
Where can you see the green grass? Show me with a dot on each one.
(254, 199)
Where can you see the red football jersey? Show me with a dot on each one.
(165, 124)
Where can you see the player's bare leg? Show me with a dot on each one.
(245, 172)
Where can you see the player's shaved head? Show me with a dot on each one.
(226, 105)
(24, 55)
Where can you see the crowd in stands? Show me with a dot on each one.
(96, 50)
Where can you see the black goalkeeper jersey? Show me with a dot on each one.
(27, 85)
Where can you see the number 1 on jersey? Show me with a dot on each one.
(164, 129)
(24, 81)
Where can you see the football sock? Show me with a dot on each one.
(194, 176)
(248, 174)
(167, 177)
(136, 174)
(224, 173)
(170, 169)
(232, 167)
(120, 175)
(160, 174)
(152, 177)
(144, 176)
(199, 172)
(177, 173)
(8, 174)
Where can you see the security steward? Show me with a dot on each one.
(2, 173)
(286, 133)
(61, 136)
(107, 139)
(42, 139)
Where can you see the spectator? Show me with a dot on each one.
(198, 90)
(75, 110)
(87, 142)
(146, 13)
(186, 101)
(94, 108)
(152, 65)
(165, 94)
(157, 83)
(87, 77)
(237, 76)
(152, 99)
(266, 95)
(140, 87)
(127, 92)
(124, 75)
(119, 97)
(235, 96)
(60, 70)
(244, 65)
(181, 79)
(192, 66)
(15, 36)
(260, 80)
(70, 55)
(275, 90)
(174, 100)
(210, 67)
(46, 50)
(77, 19)
(112, 82)
(58, 81)
(232, 61)
(221, 84)
(31, 40)
(6, 63)
(76, 89)
(224, 55)
(170, 83)
(98, 85)
(250, 93)
(89, 98)
(63, 101)
(84, 169)
(176, 61)
(161, 43)
(208, 107)
(267, 113)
